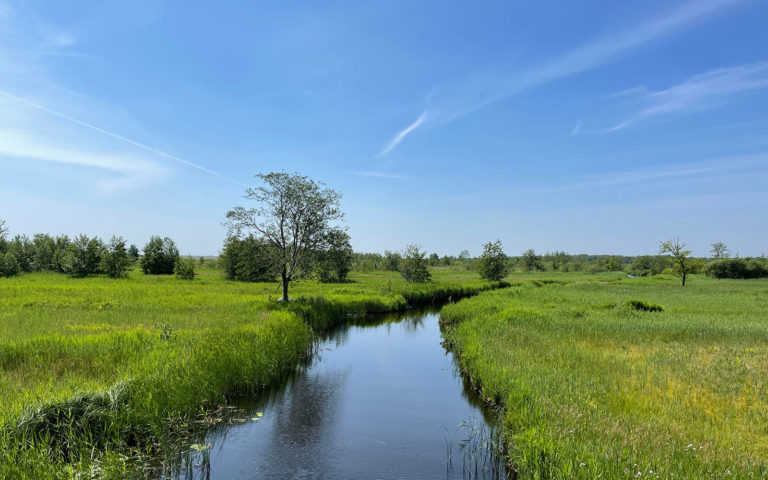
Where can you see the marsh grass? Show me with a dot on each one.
(108, 378)
(593, 389)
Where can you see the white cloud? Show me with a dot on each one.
(123, 171)
(465, 95)
(402, 134)
(706, 91)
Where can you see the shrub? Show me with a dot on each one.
(160, 255)
(115, 260)
(738, 268)
(9, 266)
(184, 269)
(249, 259)
(493, 262)
(644, 306)
(413, 267)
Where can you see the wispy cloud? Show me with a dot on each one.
(113, 135)
(576, 128)
(465, 95)
(706, 91)
(402, 134)
(126, 172)
(379, 175)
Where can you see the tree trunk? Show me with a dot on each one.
(684, 274)
(285, 284)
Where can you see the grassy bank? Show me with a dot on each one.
(597, 383)
(96, 373)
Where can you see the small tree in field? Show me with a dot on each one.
(531, 261)
(493, 262)
(160, 255)
(680, 256)
(719, 250)
(295, 215)
(414, 267)
(133, 253)
(184, 269)
(115, 260)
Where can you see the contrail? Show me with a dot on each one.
(119, 137)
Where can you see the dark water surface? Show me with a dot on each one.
(382, 400)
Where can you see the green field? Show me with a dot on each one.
(597, 386)
(97, 374)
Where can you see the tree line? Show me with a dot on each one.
(83, 256)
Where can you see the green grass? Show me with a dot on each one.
(97, 375)
(596, 386)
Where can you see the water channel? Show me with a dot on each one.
(381, 399)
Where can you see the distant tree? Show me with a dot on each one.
(464, 255)
(295, 215)
(184, 268)
(249, 259)
(434, 260)
(22, 248)
(612, 264)
(531, 261)
(334, 264)
(414, 266)
(680, 256)
(160, 255)
(133, 253)
(719, 250)
(44, 256)
(201, 261)
(3, 235)
(115, 261)
(83, 256)
(493, 262)
(392, 261)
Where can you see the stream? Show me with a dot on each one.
(381, 399)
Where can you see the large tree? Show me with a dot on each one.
(295, 215)
(680, 256)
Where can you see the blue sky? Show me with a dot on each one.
(584, 126)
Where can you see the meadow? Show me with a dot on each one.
(100, 376)
(603, 376)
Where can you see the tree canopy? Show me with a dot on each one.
(295, 215)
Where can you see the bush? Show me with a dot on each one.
(738, 268)
(249, 259)
(644, 306)
(184, 269)
(83, 256)
(160, 255)
(413, 267)
(493, 262)
(115, 260)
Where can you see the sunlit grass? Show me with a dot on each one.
(596, 388)
(95, 372)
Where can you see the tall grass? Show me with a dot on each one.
(596, 387)
(101, 377)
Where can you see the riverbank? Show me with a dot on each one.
(608, 377)
(97, 375)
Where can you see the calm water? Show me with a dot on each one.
(379, 401)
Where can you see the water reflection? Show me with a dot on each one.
(379, 398)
